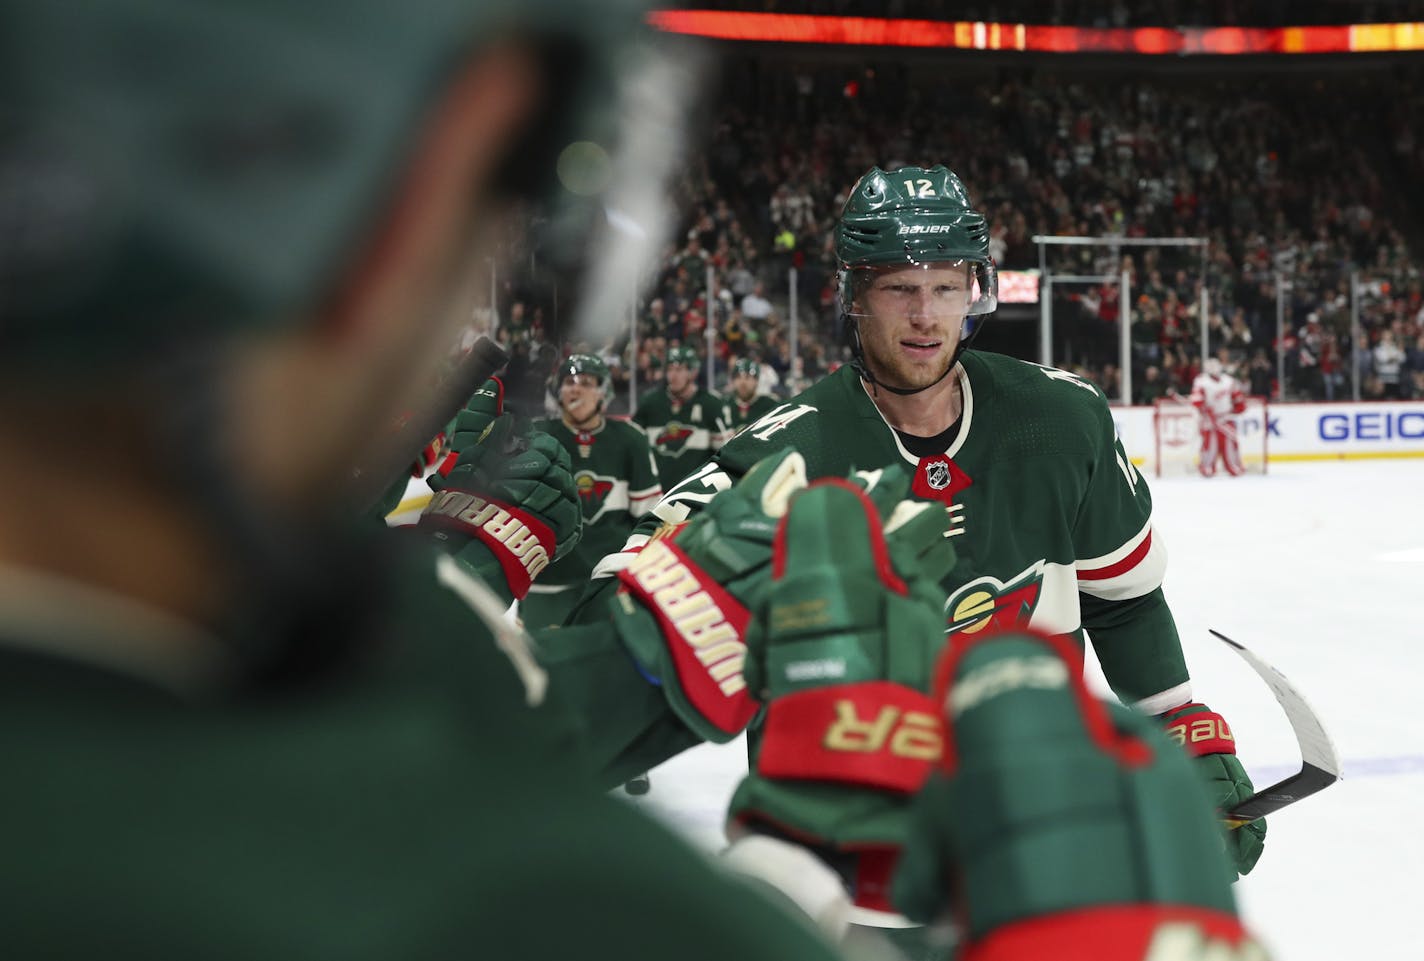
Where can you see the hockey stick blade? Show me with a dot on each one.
(1320, 764)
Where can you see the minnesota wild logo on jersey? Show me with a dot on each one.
(1050, 529)
(672, 437)
(593, 491)
(989, 602)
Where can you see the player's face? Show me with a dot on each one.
(579, 396)
(679, 378)
(910, 321)
(745, 386)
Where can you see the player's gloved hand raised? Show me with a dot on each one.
(683, 605)
(1208, 740)
(1058, 825)
(505, 494)
(842, 651)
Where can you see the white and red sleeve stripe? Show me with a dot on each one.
(1134, 569)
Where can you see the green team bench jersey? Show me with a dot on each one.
(737, 415)
(617, 484)
(1052, 522)
(407, 803)
(684, 436)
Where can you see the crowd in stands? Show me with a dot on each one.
(1299, 182)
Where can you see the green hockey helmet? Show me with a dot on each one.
(746, 365)
(591, 364)
(684, 355)
(914, 216)
(576, 364)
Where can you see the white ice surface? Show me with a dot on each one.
(1319, 567)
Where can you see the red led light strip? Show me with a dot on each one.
(974, 35)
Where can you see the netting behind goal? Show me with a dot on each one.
(1176, 425)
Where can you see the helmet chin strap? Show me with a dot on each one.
(859, 365)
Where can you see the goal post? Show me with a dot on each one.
(1177, 427)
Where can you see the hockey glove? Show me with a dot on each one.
(1057, 825)
(842, 652)
(1209, 742)
(507, 504)
(683, 604)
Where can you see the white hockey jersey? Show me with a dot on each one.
(1220, 395)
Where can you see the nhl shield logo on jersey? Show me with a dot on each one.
(989, 602)
(593, 490)
(937, 475)
(939, 479)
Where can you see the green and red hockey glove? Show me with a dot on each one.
(683, 604)
(507, 504)
(1208, 740)
(842, 652)
(1058, 825)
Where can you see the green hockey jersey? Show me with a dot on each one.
(1051, 520)
(407, 802)
(684, 436)
(736, 415)
(617, 481)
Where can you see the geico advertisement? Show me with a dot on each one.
(1306, 431)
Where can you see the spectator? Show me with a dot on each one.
(1389, 361)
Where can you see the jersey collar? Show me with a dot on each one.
(68, 620)
(966, 417)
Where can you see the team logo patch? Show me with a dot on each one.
(593, 490)
(988, 602)
(673, 435)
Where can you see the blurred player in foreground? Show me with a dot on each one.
(239, 725)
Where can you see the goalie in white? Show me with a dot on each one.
(1218, 398)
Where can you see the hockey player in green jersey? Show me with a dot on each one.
(683, 423)
(1051, 519)
(744, 403)
(617, 482)
(235, 723)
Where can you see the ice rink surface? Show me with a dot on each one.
(1318, 567)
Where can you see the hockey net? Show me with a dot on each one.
(1177, 426)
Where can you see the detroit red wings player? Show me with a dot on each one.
(1218, 398)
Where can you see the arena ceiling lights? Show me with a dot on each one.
(975, 35)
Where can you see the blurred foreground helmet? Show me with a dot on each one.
(174, 171)
(745, 365)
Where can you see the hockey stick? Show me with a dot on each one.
(1320, 765)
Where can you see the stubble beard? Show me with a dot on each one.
(904, 375)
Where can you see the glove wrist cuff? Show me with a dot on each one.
(1116, 933)
(704, 629)
(521, 543)
(875, 734)
(1199, 730)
